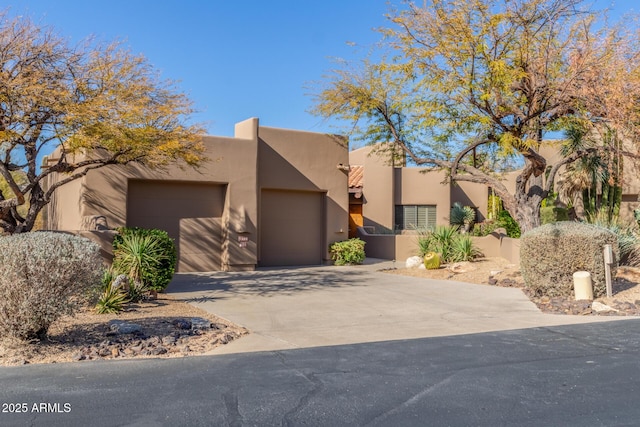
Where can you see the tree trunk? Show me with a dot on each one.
(527, 213)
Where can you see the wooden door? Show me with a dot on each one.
(355, 220)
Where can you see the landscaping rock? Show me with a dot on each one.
(200, 323)
(121, 282)
(121, 327)
(463, 267)
(413, 262)
(599, 307)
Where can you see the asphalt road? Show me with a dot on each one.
(578, 375)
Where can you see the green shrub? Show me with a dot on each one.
(347, 252)
(508, 223)
(449, 243)
(463, 249)
(551, 214)
(550, 254)
(146, 255)
(485, 228)
(43, 276)
(431, 261)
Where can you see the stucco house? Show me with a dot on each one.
(388, 202)
(265, 197)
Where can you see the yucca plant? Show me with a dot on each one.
(463, 249)
(112, 300)
(136, 255)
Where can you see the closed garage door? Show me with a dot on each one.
(190, 212)
(291, 228)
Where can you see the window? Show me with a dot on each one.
(412, 217)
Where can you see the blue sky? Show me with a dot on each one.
(235, 59)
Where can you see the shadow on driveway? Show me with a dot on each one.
(266, 282)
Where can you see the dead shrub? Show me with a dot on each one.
(43, 276)
(550, 254)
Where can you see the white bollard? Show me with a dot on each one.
(582, 285)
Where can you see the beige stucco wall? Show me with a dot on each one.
(307, 162)
(414, 186)
(386, 186)
(233, 163)
(378, 178)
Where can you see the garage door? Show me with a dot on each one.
(190, 212)
(291, 228)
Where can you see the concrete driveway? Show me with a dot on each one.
(289, 308)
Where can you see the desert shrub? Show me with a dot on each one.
(503, 220)
(148, 256)
(463, 249)
(347, 252)
(444, 240)
(551, 214)
(112, 300)
(485, 228)
(628, 240)
(43, 276)
(508, 223)
(550, 254)
(431, 260)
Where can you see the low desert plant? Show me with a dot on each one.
(152, 250)
(463, 249)
(112, 300)
(628, 240)
(431, 261)
(347, 252)
(550, 254)
(449, 243)
(43, 276)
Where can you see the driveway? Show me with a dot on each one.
(288, 308)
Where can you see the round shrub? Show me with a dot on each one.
(347, 252)
(43, 276)
(160, 269)
(550, 254)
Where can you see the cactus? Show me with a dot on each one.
(432, 260)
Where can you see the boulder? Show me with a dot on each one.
(121, 327)
(413, 262)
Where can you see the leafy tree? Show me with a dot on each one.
(99, 103)
(492, 75)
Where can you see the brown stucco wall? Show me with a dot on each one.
(299, 161)
(306, 162)
(416, 186)
(377, 202)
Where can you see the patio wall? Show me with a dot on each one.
(402, 246)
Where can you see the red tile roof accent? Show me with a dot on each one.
(356, 176)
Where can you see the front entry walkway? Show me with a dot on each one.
(288, 308)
